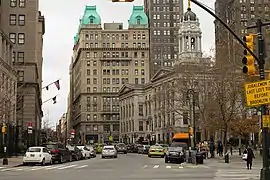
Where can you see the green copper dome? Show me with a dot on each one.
(138, 16)
(90, 16)
(189, 15)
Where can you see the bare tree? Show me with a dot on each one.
(226, 99)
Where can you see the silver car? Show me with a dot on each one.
(92, 151)
(109, 151)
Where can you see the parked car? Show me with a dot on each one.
(85, 152)
(59, 152)
(144, 149)
(92, 151)
(156, 150)
(175, 153)
(165, 147)
(109, 151)
(121, 147)
(37, 155)
(75, 152)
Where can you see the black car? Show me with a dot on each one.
(121, 147)
(75, 152)
(175, 153)
(59, 152)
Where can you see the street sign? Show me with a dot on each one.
(266, 121)
(258, 93)
(30, 127)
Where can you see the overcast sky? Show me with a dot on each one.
(62, 19)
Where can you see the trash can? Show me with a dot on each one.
(199, 158)
(226, 157)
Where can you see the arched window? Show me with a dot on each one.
(138, 20)
(193, 43)
(92, 18)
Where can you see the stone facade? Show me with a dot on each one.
(103, 60)
(8, 82)
(25, 27)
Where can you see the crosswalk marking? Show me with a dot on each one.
(236, 174)
(45, 168)
(156, 166)
(79, 167)
(66, 167)
(145, 166)
(181, 167)
(168, 167)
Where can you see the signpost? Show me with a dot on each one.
(258, 93)
(30, 127)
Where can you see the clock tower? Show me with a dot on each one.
(190, 37)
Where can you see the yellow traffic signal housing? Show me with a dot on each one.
(4, 129)
(248, 60)
(190, 130)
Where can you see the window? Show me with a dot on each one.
(12, 37)
(13, 57)
(12, 19)
(21, 3)
(91, 20)
(13, 3)
(20, 57)
(21, 38)
(140, 110)
(138, 21)
(141, 126)
(21, 20)
(20, 76)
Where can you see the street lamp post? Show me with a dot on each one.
(192, 92)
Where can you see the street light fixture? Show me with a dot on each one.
(192, 92)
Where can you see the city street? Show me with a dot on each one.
(133, 167)
(130, 166)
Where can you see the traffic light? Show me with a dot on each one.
(190, 130)
(122, 0)
(4, 129)
(248, 60)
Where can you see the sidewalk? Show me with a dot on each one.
(236, 169)
(12, 162)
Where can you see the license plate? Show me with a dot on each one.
(32, 155)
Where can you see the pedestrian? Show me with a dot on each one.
(250, 157)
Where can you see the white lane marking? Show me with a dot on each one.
(2, 167)
(8, 169)
(168, 167)
(181, 167)
(66, 167)
(18, 169)
(54, 167)
(37, 168)
(83, 166)
(156, 166)
(145, 166)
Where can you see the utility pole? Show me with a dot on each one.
(265, 171)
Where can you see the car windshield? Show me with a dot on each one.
(164, 145)
(156, 147)
(183, 145)
(51, 146)
(108, 148)
(71, 148)
(121, 145)
(90, 147)
(80, 147)
(34, 149)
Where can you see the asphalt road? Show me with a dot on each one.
(125, 167)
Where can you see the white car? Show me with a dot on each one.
(109, 151)
(40, 155)
(85, 152)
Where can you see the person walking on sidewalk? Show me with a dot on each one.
(250, 157)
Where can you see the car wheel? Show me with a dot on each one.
(43, 162)
(102, 157)
(115, 157)
(61, 160)
(162, 156)
(125, 152)
(149, 155)
(25, 164)
(166, 160)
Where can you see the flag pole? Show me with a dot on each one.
(51, 83)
